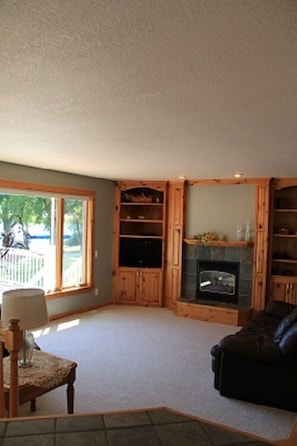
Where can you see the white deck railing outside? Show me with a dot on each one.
(24, 268)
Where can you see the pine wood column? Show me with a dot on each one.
(259, 287)
(175, 233)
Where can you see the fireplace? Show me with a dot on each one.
(217, 281)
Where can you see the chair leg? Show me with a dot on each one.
(33, 405)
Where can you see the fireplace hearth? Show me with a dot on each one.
(217, 281)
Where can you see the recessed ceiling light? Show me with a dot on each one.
(181, 177)
(238, 175)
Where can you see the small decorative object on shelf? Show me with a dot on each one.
(206, 237)
(142, 199)
(136, 198)
(247, 235)
(283, 231)
(239, 232)
(281, 255)
(227, 243)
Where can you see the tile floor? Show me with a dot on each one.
(156, 427)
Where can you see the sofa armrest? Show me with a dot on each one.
(259, 382)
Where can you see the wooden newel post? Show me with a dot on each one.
(1, 375)
(13, 342)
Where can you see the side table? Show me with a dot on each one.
(47, 373)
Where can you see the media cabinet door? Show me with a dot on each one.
(150, 287)
(127, 286)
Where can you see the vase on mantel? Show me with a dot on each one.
(247, 234)
(239, 233)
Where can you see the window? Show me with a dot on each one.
(46, 238)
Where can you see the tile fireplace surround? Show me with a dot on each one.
(243, 255)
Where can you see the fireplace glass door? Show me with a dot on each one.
(217, 281)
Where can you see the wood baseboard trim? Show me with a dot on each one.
(80, 310)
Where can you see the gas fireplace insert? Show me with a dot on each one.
(217, 281)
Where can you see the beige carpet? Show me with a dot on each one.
(137, 357)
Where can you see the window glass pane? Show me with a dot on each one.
(27, 226)
(74, 241)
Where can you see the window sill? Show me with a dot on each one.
(68, 292)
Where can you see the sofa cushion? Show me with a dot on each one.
(284, 325)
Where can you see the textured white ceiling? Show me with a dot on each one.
(150, 89)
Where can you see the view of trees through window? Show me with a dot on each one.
(43, 241)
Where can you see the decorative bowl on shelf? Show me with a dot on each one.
(141, 199)
(283, 231)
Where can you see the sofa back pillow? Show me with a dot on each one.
(288, 343)
(279, 308)
(284, 325)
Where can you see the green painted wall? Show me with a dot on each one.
(219, 208)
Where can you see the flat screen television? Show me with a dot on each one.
(142, 253)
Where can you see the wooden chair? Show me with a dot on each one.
(12, 338)
(17, 389)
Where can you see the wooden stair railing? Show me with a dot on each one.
(12, 338)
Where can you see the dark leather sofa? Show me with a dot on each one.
(259, 363)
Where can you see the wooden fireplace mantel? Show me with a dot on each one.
(220, 243)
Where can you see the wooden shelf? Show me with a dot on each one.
(292, 261)
(220, 243)
(139, 203)
(141, 220)
(285, 235)
(140, 236)
(285, 210)
(282, 278)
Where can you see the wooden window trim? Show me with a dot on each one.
(64, 192)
